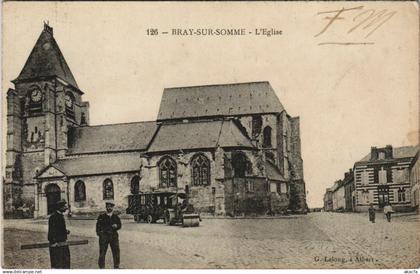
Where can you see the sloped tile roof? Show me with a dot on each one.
(98, 164)
(231, 136)
(46, 60)
(111, 138)
(273, 172)
(398, 152)
(219, 100)
(209, 134)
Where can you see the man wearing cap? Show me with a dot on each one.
(57, 236)
(107, 227)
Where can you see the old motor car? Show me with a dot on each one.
(149, 206)
(172, 207)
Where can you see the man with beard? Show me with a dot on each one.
(107, 227)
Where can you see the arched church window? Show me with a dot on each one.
(200, 170)
(108, 189)
(256, 125)
(135, 185)
(167, 172)
(35, 100)
(267, 136)
(241, 165)
(79, 191)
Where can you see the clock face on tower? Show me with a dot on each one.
(69, 101)
(36, 95)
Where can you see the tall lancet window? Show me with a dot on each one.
(200, 170)
(267, 137)
(167, 172)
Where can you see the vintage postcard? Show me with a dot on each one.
(210, 135)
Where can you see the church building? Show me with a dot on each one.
(232, 148)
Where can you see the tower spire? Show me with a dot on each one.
(46, 60)
(47, 27)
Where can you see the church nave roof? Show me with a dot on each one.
(219, 100)
(111, 138)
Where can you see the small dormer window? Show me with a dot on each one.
(381, 155)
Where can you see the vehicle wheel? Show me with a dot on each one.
(149, 219)
(136, 218)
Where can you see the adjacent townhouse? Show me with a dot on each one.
(383, 176)
(415, 182)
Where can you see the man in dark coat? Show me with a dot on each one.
(57, 236)
(372, 213)
(107, 227)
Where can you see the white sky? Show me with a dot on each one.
(349, 98)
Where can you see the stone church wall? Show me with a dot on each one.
(297, 183)
(241, 200)
(95, 201)
(268, 120)
(206, 199)
(31, 163)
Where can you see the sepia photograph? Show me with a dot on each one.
(210, 135)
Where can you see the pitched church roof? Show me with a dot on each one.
(273, 173)
(111, 138)
(198, 135)
(219, 100)
(46, 60)
(91, 165)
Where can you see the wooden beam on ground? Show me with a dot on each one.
(47, 244)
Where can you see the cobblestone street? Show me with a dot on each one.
(316, 240)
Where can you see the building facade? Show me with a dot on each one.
(232, 148)
(349, 187)
(415, 182)
(340, 197)
(328, 200)
(383, 176)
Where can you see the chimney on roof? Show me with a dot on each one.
(47, 28)
(373, 153)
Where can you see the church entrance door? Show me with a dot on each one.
(53, 193)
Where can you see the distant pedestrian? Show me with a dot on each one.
(387, 211)
(57, 236)
(107, 225)
(372, 213)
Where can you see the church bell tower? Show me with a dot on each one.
(45, 103)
